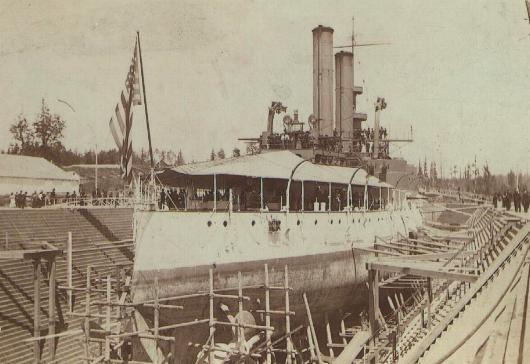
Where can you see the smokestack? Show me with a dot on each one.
(323, 79)
(344, 102)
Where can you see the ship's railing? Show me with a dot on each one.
(120, 201)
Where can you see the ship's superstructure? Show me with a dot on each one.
(333, 134)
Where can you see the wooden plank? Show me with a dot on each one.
(51, 307)
(414, 355)
(373, 306)
(422, 269)
(353, 348)
(36, 309)
(514, 345)
(368, 250)
(434, 256)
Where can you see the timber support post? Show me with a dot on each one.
(373, 299)
(51, 305)
(36, 309)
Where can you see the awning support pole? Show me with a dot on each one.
(329, 197)
(365, 202)
(303, 202)
(349, 198)
(261, 193)
(214, 192)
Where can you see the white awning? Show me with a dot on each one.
(279, 165)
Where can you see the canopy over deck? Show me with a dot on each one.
(275, 165)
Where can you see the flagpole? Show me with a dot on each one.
(96, 176)
(145, 103)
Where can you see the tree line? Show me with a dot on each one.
(472, 178)
(44, 138)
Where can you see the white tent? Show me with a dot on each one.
(279, 165)
(31, 174)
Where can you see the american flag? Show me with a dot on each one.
(121, 121)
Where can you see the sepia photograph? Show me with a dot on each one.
(264, 182)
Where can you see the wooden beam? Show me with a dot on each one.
(368, 250)
(373, 307)
(435, 256)
(36, 309)
(69, 270)
(422, 269)
(431, 243)
(51, 306)
(30, 254)
(407, 249)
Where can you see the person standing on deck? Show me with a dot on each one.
(525, 200)
(508, 201)
(495, 200)
(517, 201)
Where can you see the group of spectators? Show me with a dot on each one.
(172, 199)
(520, 201)
(40, 199)
(35, 200)
(363, 141)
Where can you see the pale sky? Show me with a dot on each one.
(457, 71)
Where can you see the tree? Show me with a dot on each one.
(221, 154)
(212, 155)
(23, 135)
(48, 129)
(488, 180)
(236, 152)
(180, 158)
(511, 180)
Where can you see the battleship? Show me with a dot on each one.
(307, 199)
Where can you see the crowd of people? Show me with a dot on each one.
(40, 199)
(363, 141)
(22, 199)
(520, 200)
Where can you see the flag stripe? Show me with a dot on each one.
(119, 113)
(114, 133)
(121, 122)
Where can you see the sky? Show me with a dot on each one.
(457, 71)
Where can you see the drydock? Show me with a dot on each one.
(305, 250)
(458, 294)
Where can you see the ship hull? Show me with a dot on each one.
(180, 248)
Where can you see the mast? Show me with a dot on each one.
(145, 104)
(96, 171)
(353, 61)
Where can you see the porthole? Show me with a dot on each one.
(339, 221)
(359, 221)
(316, 222)
(331, 222)
(209, 223)
(353, 221)
(225, 223)
(253, 223)
(297, 222)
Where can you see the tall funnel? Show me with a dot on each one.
(344, 99)
(323, 79)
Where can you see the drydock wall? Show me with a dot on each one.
(88, 227)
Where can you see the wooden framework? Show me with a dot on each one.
(111, 337)
(40, 253)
